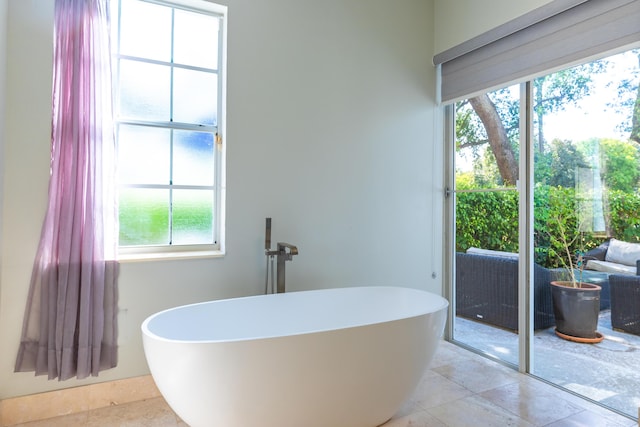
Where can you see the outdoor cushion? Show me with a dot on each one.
(623, 252)
(610, 267)
(489, 252)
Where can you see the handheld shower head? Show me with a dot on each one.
(267, 236)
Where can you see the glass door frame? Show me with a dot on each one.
(525, 231)
(525, 227)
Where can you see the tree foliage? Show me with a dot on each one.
(628, 101)
(490, 219)
(477, 118)
(624, 217)
(621, 161)
(554, 92)
(564, 159)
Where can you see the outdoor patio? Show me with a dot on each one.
(606, 372)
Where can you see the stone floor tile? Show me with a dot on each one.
(415, 419)
(587, 419)
(152, 413)
(435, 389)
(79, 419)
(477, 412)
(478, 376)
(448, 353)
(531, 402)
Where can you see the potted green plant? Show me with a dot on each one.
(576, 304)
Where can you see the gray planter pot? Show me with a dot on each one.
(576, 309)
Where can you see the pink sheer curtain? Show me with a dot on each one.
(70, 320)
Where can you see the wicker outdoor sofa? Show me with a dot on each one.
(487, 286)
(625, 303)
(616, 257)
(487, 291)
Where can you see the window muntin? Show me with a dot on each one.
(168, 101)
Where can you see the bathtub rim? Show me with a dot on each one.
(147, 333)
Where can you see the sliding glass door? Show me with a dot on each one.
(587, 169)
(547, 178)
(487, 129)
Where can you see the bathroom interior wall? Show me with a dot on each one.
(332, 131)
(25, 168)
(3, 74)
(461, 20)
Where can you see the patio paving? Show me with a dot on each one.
(606, 372)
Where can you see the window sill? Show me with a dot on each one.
(169, 256)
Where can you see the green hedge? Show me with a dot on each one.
(487, 220)
(625, 216)
(490, 221)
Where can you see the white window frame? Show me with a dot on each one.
(147, 252)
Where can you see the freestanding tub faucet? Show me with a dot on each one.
(282, 255)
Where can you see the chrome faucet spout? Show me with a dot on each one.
(293, 250)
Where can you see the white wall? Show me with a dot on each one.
(460, 20)
(27, 134)
(332, 131)
(3, 78)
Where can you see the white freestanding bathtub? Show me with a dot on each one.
(327, 358)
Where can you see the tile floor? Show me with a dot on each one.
(459, 389)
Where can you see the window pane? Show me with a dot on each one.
(488, 140)
(193, 154)
(196, 40)
(148, 37)
(587, 175)
(192, 217)
(144, 217)
(167, 101)
(195, 94)
(144, 91)
(143, 155)
(487, 233)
